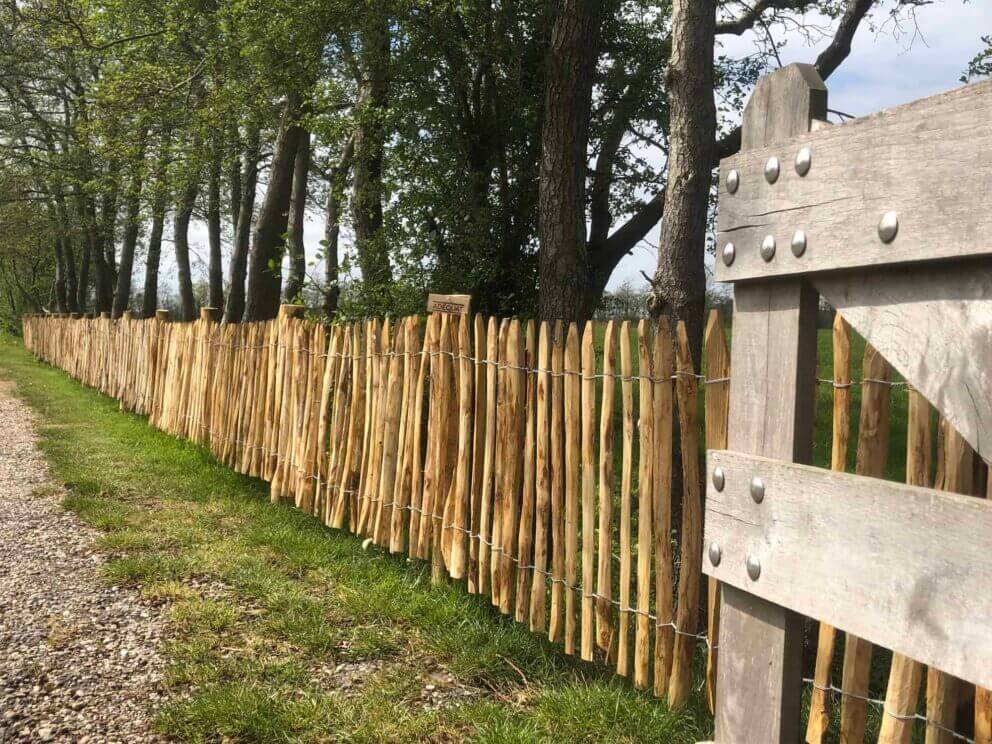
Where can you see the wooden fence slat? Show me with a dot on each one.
(542, 509)
(573, 403)
(645, 503)
(664, 581)
(486, 498)
(873, 444)
(525, 535)
(716, 361)
(604, 577)
(626, 486)
(819, 713)
(692, 525)
(557, 525)
(516, 390)
(906, 675)
(588, 487)
(480, 420)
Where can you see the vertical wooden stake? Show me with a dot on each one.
(573, 460)
(604, 579)
(588, 487)
(645, 503)
(626, 505)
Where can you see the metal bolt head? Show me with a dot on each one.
(715, 553)
(768, 248)
(729, 253)
(753, 567)
(757, 490)
(733, 181)
(798, 243)
(888, 227)
(718, 479)
(772, 169)
(804, 159)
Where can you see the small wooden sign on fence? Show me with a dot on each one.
(452, 304)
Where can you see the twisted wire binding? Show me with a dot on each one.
(876, 702)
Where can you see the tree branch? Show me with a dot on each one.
(752, 15)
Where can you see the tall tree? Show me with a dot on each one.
(332, 227)
(367, 191)
(215, 270)
(562, 211)
(243, 214)
(180, 237)
(265, 264)
(297, 216)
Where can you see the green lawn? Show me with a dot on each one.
(282, 630)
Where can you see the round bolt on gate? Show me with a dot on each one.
(753, 567)
(888, 227)
(757, 490)
(733, 181)
(804, 159)
(718, 479)
(716, 553)
(768, 248)
(729, 253)
(772, 169)
(798, 243)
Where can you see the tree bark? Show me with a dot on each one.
(61, 298)
(373, 254)
(83, 288)
(297, 215)
(215, 271)
(149, 301)
(679, 284)
(180, 230)
(332, 228)
(132, 226)
(265, 264)
(563, 261)
(247, 182)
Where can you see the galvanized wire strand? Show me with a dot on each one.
(876, 702)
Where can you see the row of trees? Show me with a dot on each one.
(513, 149)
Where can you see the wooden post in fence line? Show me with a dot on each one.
(906, 675)
(664, 582)
(555, 624)
(626, 504)
(690, 570)
(604, 579)
(588, 487)
(873, 447)
(983, 696)
(716, 363)
(819, 711)
(955, 472)
(516, 392)
(773, 379)
(489, 449)
(573, 461)
(645, 503)
(542, 511)
(478, 449)
(525, 535)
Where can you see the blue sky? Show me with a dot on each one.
(888, 66)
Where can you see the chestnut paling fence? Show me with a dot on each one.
(532, 460)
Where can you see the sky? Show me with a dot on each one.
(888, 65)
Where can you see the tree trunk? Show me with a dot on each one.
(297, 214)
(152, 258)
(180, 230)
(132, 225)
(68, 254)
(61, 298)
(373, 252)
(215, 272)
(265, 265)
(679, 284)
(563, 262)
(83, 289)
(332, 227)
(246, 183)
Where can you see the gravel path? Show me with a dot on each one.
(78, 660)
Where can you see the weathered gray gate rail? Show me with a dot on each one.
(887, 217)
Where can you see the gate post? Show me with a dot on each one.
(772, 391)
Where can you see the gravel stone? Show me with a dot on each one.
(79, 660)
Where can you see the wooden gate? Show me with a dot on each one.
(888, 218)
